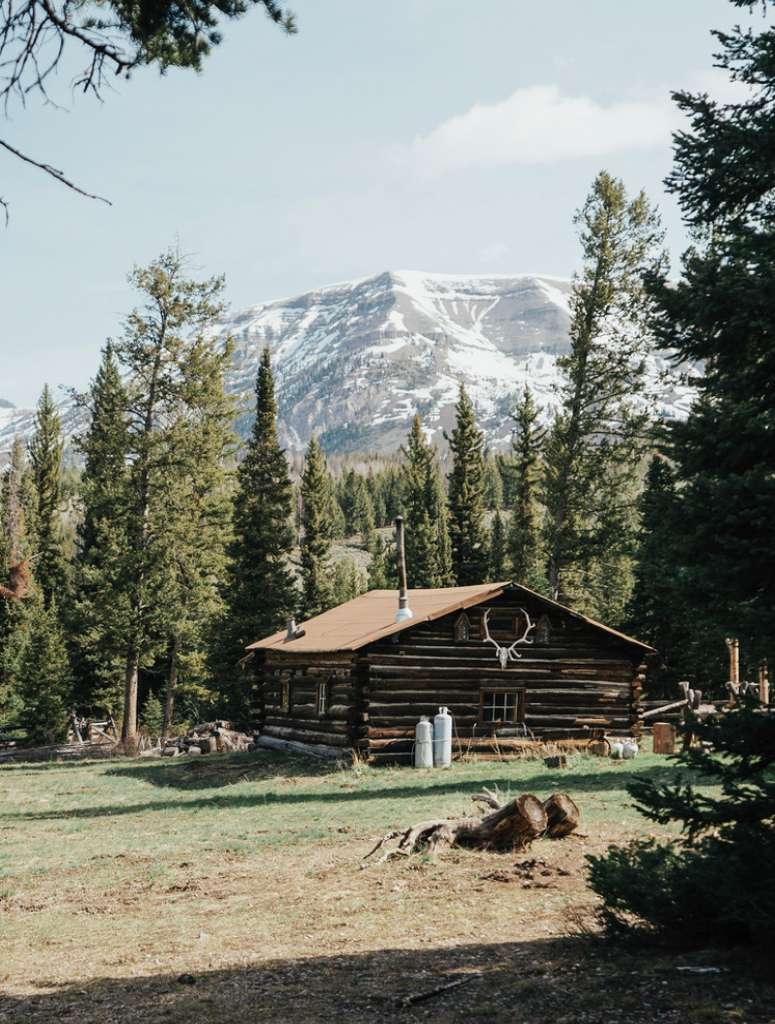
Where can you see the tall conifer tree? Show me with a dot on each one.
(45, 451)
(722, 312)
(44, 677)
(428, 554)
(601, 430)
(156, 350)
(467, 527)
(525, 541)
(260, 594)
(497, 549)
(100, 606)
(317, 530)
(16, 547)
(198, 520)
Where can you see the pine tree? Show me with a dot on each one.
(722, 312)
(45, 451)
(100, 605)
(497, 549)
(44, 678)
(347, 581)
(427, 538)
(524, 542)
(657, 611)
(598, 436)
(317, 526)
(379, 574)
(692, 891)
(158, 343)
(493, 483)
(16, 547)
(198, 503)
(468, 531)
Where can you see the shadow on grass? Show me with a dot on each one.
(538, 981)
(542, 784)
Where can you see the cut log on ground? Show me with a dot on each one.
(562, 815)
(510, 826)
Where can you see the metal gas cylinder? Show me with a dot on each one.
(629, 749)
(442, 739)
(423, 744)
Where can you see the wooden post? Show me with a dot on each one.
(764, 683)
(733, 646)
(664, 738)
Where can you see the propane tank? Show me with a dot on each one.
(442, 739)
(423, 744)
(617, 750)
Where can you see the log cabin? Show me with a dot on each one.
(509, 664)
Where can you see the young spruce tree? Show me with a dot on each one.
(525, 541)
(428, 555)
(260, 593)
(45, 453)
(156, 352)
(317, 528)
(101, 592)
(601, 431)
(467, 527)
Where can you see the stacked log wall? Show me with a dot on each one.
(576, 680)
(341, 723)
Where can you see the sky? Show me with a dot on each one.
(434, 135)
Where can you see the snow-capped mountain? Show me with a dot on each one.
(355, 361)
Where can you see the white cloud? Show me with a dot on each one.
(538, 125)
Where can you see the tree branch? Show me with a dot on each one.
(52, 171)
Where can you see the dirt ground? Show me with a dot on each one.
(243, 898)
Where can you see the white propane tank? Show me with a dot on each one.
(423, 744)
(617, 750)
(442, 739)
(629, 749)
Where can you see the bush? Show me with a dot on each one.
(717, 882)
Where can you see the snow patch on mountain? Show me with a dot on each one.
(355, 361)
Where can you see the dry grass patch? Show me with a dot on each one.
(241, 876)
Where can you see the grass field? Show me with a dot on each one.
(230, 888)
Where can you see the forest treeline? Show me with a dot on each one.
(148, 570)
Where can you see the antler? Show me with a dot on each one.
(507, 654)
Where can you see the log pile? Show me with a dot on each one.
(509, 826)
(207, 738)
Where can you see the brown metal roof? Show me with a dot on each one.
(370, 617)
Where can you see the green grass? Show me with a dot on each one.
(243, 873)
(67, 813)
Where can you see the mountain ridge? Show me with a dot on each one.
(355, 360)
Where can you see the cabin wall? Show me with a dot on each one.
(574, 679)
(339, 724)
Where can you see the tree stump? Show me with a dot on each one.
(562, 815)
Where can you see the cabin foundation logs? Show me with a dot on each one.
(508, 827)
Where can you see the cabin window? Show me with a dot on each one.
(462, 628)
(501, 705)
(285, 696)
(324, 694)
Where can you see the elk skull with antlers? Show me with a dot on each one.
(507, 654)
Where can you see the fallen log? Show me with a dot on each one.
(510, 826)
(562, 815)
